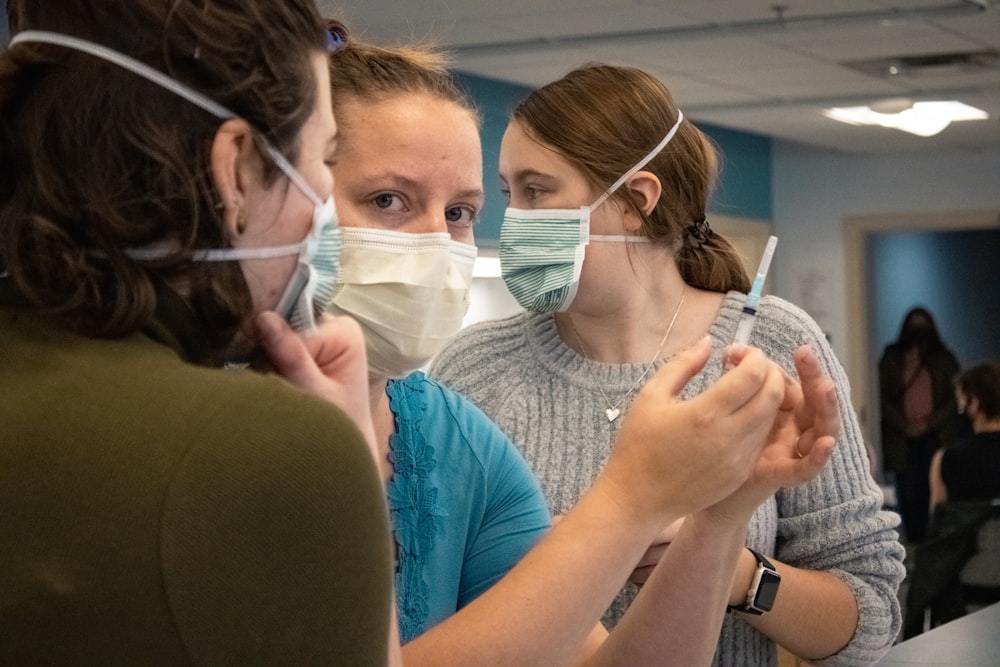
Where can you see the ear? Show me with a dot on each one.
(645, 189)
(234, 163)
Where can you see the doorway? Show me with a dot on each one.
(871, 305)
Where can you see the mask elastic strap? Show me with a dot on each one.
(599, 238)
(213, 255)
(642, 163)
(230, 254)
(164, 81)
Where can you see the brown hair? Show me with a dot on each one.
(603, 120)
(982, 382)
(95, 159)
(373, 73)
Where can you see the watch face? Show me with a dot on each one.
(767, 590)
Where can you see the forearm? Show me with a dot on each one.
(542, 611)
(815, 613)
(679, 611)
(939, 492)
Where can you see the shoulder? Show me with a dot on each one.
(510, 332)
(250, 488)
(783, 319)
(780, 326)
(956, 455)
(453, 419)
(479, 360)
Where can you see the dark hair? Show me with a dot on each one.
(95, 159)
(982, 382)
(603, 120)
(373, 73)
(918, 330)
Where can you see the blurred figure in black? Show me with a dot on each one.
(918, 413)
(971, 470)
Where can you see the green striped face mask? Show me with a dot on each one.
(542, 250)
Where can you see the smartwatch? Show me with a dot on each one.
(763, 588)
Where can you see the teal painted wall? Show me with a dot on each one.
(744, 187)
(494, 100)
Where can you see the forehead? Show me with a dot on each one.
(411, 129)
(521, 151)
(320, 127)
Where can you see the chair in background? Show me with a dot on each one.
(980, 576)
(958, 565)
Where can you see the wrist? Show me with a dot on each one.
(763, 589)
(616, 507)
(746, 567)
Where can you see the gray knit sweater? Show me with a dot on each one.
(548, 400)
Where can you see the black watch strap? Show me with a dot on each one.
(763, 588)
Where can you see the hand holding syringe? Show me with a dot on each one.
(749, 313)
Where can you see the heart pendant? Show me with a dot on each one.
(612, 413)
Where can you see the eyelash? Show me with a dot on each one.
(472, 213)
(382, 195)
(532, 192)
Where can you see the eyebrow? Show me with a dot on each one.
(410, 183)
(477, 193)
(524, 174)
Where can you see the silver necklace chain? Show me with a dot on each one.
(614, 410)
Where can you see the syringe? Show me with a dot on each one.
(749, 313)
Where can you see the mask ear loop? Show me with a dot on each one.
(159, 78)
(627, 175)
(641, 163)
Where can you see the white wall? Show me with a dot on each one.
(814, 190)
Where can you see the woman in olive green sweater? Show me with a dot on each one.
(158, 508)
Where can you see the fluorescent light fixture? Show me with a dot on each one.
(924, 119)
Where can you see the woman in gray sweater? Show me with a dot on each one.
(606, 245)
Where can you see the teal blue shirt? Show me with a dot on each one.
(465, 505)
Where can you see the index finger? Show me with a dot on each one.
(754, 379)
(819, 407)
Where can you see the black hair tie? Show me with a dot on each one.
(698, 233)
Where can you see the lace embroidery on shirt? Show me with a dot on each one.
(413, 503)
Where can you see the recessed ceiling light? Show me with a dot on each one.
(924, 119)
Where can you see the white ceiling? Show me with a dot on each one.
(740, 64)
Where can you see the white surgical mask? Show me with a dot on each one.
(409, 292)
(311, 286)
(542, 250)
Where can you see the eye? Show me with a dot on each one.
(461, 216)
(533, 192)
(388, 201)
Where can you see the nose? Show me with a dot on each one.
(432, 220)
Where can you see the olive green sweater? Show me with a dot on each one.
(155, 512)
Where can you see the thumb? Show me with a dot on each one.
(285, 350)
(677, 372)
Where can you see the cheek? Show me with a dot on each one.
(267, 279)
(299, 215)
(466, 235)
(349, 214)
